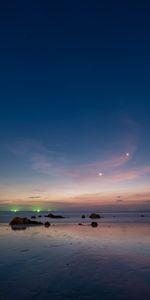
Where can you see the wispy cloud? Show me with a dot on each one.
(128, 175)
(34, 197)
(45, 161)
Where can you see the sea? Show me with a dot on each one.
(71, 262)
(71, 217)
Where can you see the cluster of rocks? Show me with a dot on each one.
(94, 216)
(17, 221)
(21, 223)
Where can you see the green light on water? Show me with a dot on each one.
(37, 210)
(14, 210)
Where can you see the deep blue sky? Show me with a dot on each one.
(74, 95)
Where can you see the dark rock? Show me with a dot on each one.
(33, 217)
(40, 216)
(24, 221)
(80, 224)
(94, 216)
(142, 216)
(35, 223)
(47, 224)
(94, 224)
(54, 216)
(83, 217)
(18, 227)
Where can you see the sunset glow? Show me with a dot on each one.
(74, 123)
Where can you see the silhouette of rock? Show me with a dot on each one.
(24, 221)
(54, 216)
(83, 217)
(33, 217)
(80, 224)
(94, 216)
(94, 224)
(142, 216)
(47, 224)
(18, 227)
(40, 216)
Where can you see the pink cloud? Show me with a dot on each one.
(116, 177)
(129, 175)
(89, 172)
(43, 161)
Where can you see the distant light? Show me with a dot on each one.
(37, 210)
(100, 174)
(127, 154)
(14, 210)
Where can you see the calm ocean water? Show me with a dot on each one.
(71, 262)
(75, 217)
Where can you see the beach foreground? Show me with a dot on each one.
(69, 261)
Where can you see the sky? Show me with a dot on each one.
(74, 104)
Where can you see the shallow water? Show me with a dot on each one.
(75, 262)
(75, 217)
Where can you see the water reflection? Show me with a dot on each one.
(111, 261)
(20, 227)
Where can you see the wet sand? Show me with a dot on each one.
(75, 262)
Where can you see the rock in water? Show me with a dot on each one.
(54, 216)
(18, 227)
(94, 224)
(83, 217)
(94, 216)
(47, 224)
(24, 221)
